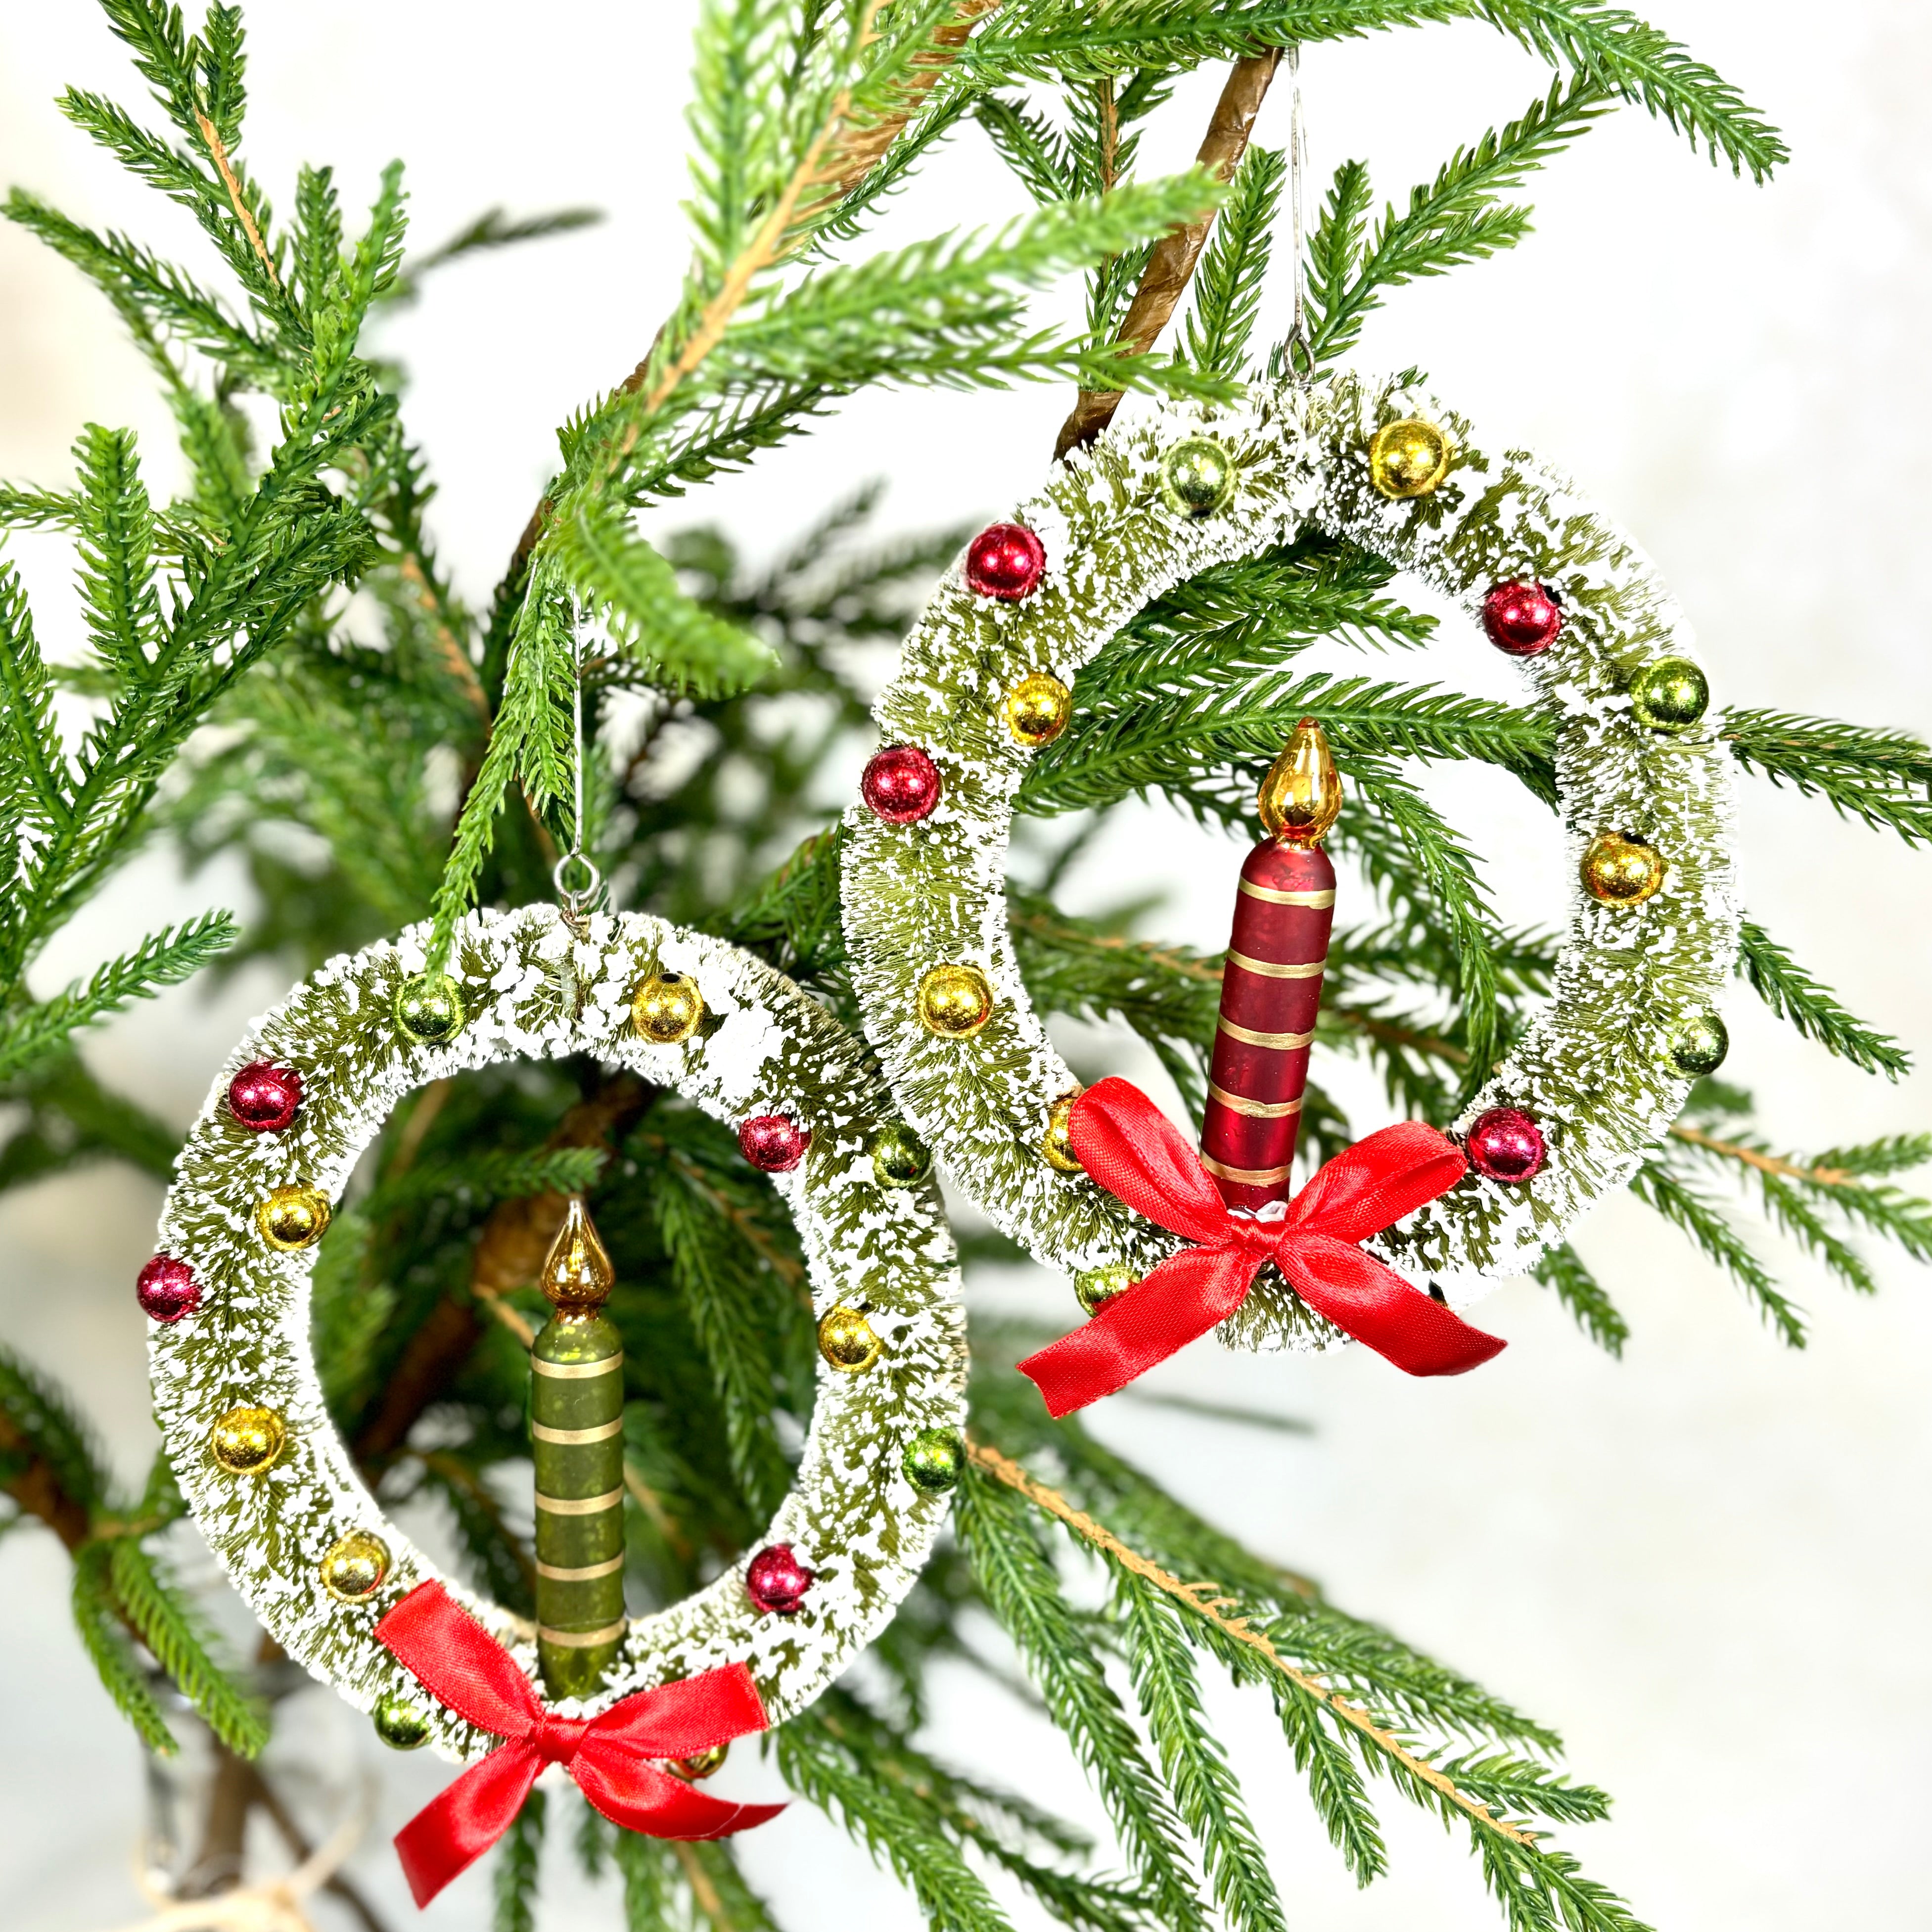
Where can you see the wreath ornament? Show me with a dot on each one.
(272, 1485)
(1643, 792)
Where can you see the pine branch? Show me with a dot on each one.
(1792, 994)
(1883, 778)
(97, 1616)
(1022, 1591)
(518, 1855)
(164, 958)
(1562, 1269)
(1659, 1187)
(1228, 285)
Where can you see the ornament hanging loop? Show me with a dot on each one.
(1294, 354)
(578, 901)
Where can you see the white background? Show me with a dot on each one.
(1707, 1565)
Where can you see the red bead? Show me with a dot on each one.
(901, 784)
(264, 1096)
(1506, 1145)
(1521, 619)
(776, 1581)
(1006, 561)
(773, 1143)
(166, 1289)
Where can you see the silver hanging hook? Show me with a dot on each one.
(1297, 352)
(578, 902)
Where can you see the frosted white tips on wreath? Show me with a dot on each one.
(1551, 583)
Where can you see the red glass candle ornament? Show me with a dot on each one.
(776, 1581)
(166, 1289)
(1521, 619)
(1506, 1145)
(1271, 987)
(264, 1096)
(773, 1143)
(1006, 561)
(901, 784)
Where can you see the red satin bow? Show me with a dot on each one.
(1128, 1145)
(453, 1656)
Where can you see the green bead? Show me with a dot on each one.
(430, 1008)
(1671, 695)
(900, 1158)
(1197, 477)
(933, 1458)
(1699, 1044)
(401, 1724)
(1096, 1287)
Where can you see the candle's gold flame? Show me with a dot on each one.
(1301, 796)
(577, 1273)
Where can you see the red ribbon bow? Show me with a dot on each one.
(454, 1657)
(1128, 1145)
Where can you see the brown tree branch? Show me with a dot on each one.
(1171, 266)
(218, 154)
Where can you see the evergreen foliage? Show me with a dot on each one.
(228, 698)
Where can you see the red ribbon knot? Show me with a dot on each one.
(1128, 1145)
(610, 1756)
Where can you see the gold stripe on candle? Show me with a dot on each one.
(582, 1572)
(1274, 897)
(603, 1431)
(1272, 969)
(1244, 1177)
(583, 1640)
(577, 1372)
(579, 1505)
(1286, 1043)
(1255, 1110)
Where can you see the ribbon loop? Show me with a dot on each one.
(1127, 1144)
(457, 1660)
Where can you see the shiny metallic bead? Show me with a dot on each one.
(1094, 1287)
(401, 1723)
(430, 1008)
(933, 1461)
(1620, 871)
(247, 1440)
(848, 1341)
(699, 1764)
(1699, 1045)
(1037, 708)
(294, 1216)
(355, 1567)
(1671, 695)
(955, 1001)
(1409, 458)
(900, 1158)
(667, 1009)
(1056, 1145)
(1197, 476)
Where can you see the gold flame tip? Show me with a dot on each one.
(577, 1273)
(1301, 797)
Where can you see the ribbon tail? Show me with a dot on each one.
(1365, 1299)
(1181, 1299)
(640, 1797)
(459, 1824)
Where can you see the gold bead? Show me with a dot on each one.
(1300, 798)
(355, 1567)
(295, 1217)
(700, 1764)
(577, 1276)
(1057, 1148)
(956, 1000)
(847, 1340)
(1621, 871)
(1408, 458)
(246, 1441)
(668, 1008)
(1037, 708)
